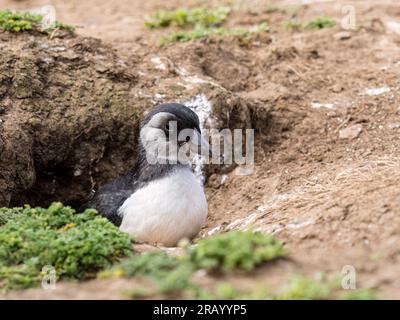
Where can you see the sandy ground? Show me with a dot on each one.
(334, 200)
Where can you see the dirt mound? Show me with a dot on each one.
(70, 108)
(66, 117)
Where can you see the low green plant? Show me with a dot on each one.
(232, 250)
(18, 21)
(64, 26)
(152, 264)
(204, 32)
(6, 214)
(170, 274)
(272, 9)
(298, 287)
(292, 25)
(321, 23)
(301, 287)
(318, 23)
(24, 21)
(76, 245)
(204, 17)
(235, 250)
(359, 294)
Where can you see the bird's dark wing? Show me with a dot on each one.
(110, 197)
(108, 203)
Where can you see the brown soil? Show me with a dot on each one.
(332, 201)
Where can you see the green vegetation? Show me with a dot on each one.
(80, 245)
(154, 264)
(169, 274)
(321, 23)
(202, 23)
(300, 287)
(203, 17)
(225, 252)
(361, 294)
(19, 21)
(235, 250)
(7, 214)
(173, 276)
(63, 26)
(292, 25)
(272, 9)
(318, 23)
(76, 245)
(24, 21)
(202, 32)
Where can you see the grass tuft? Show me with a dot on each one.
(292, 25)
(25, 21)
(202, 32)
(76, 245)
(235, 250)
(204, 17)
(226, 252)
(321, 23)
(304, 288)
(19, 21)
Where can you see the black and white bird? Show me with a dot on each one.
(160, 199)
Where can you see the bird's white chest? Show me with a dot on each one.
(166, 210)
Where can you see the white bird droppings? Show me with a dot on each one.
(299, 223)
(393, 26)
(202, 106)
(224, 177)
(242, 224)
(158, 63)
(351, 132)
(375, 91)
(317, 105)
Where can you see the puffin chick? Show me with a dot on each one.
(160, 199)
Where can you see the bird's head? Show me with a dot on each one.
(170, 133)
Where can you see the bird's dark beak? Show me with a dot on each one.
(200, 145)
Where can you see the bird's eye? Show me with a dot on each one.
(187, 139)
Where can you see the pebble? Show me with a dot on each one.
(375, 91)
(343, 35)
(317, 105)
(395, 125)
(351, 132)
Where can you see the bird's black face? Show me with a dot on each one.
(171, 126)
(172, 112)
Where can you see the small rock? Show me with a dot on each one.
(393, 26)
(337, 88)
(223, 178)
(317, 105)
(159, 96)
(375, 91)
(343, 35)
(57, 49)
(351, 132)
(395, 125)
(77, 172)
